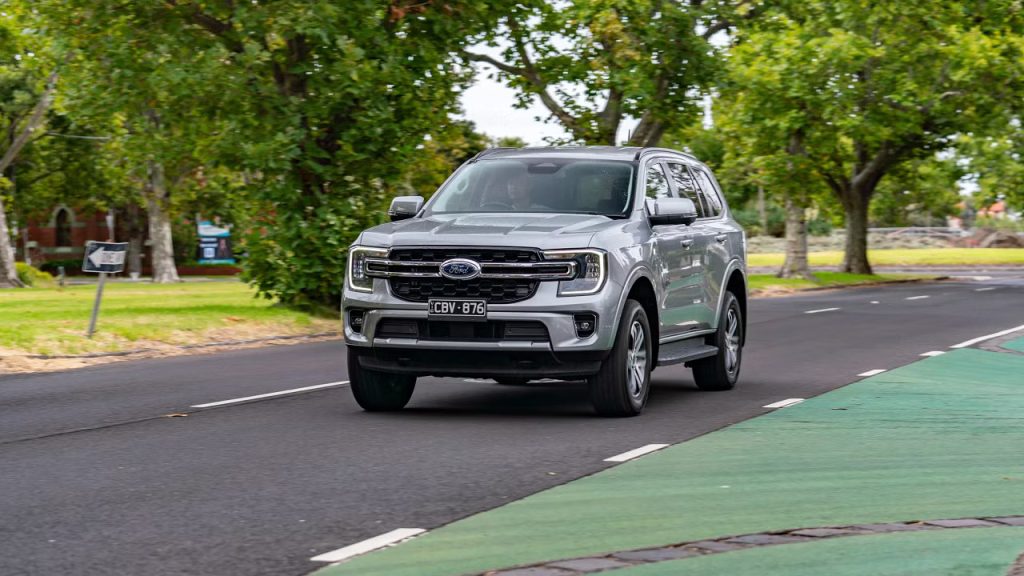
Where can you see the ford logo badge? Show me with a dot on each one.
(460, 269)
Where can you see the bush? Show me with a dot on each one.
(30, 276)
(71, 266)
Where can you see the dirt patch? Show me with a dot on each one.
(18, 362)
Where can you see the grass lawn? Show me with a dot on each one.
(908, 257)
(138, 315)
(768, 282)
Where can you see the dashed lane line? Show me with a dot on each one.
(917, 297)
(933, 353)
(784, 403)
(821, 310)
(636, 453)
(973, 341)
(872, 372)
(368, 545)
(985, 289)
(270, 395)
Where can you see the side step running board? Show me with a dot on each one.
(684, 351)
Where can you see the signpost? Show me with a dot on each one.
(103, 258)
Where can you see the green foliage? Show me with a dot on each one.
(72, 266)
(34, 277)
(446, 149)
(845, 92)
(919, 192)
(592, 63)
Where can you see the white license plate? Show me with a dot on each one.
(463, 308)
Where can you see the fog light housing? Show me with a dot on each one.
(355, 320)
(586, 324)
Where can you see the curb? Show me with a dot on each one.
(181, 347)
(760, 293)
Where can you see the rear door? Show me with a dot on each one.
(673, 259)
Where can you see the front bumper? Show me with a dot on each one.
(554, 312)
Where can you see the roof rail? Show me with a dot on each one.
(488, 151)
(645, 149)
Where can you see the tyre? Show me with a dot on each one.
(721, 371)
(622, 386)
(378, 391)
(510, 381)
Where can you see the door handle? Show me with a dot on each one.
(686, 243)
(722, 238)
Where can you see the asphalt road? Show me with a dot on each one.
(101, 474)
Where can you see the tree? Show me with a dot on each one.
(320, 105)
(446, 149)
(28, 82)
(594, 63)
(868, 88)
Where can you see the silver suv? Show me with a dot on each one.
(596, 263)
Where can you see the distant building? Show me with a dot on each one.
(62, 236)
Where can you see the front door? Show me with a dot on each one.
(674, 260)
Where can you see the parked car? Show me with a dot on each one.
(596, 263)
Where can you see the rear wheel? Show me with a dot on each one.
(720, 372)
(622, 386)
(378, 391)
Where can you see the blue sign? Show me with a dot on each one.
(214, 244)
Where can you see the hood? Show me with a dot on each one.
(544, 231)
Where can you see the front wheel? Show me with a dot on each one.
(720, 372)
(623, 384)
(378, 391)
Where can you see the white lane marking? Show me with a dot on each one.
(269, 395)
(987, 337)
(933, 353)
(821, 310)
(368, 545)
(917, 297)
(985, 289)
(872, 372)
(784, 403)
(636, 453)
(874, 301)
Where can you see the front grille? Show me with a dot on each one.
(491, 330)
(494, 291)
(482, 255)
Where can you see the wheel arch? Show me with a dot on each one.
(641, 289)
(736, 283)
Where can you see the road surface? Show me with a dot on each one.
(114, 470)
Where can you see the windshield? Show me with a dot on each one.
(555, 185)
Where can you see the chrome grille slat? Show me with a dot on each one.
(507, 274)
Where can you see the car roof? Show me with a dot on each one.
(629, 153)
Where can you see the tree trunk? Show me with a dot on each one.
(795, 265)
(162, 249)
(8, 273)
(133, 222)
(762, 216)
(855, 205)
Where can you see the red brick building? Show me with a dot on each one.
(62, 236)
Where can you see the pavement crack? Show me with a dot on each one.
(691, 549)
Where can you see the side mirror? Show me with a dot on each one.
(403, 207)
(671, 211)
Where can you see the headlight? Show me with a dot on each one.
(357, 278)
(592, 266)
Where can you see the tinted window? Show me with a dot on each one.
(709, 193)
(557, 185)
(657, 184)
(686, 187)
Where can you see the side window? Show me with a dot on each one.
(709, 193)
(686, 187)
(657, 183)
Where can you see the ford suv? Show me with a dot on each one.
(590, 263)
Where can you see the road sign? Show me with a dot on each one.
(104, 257)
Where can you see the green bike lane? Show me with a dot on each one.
(937, 440)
